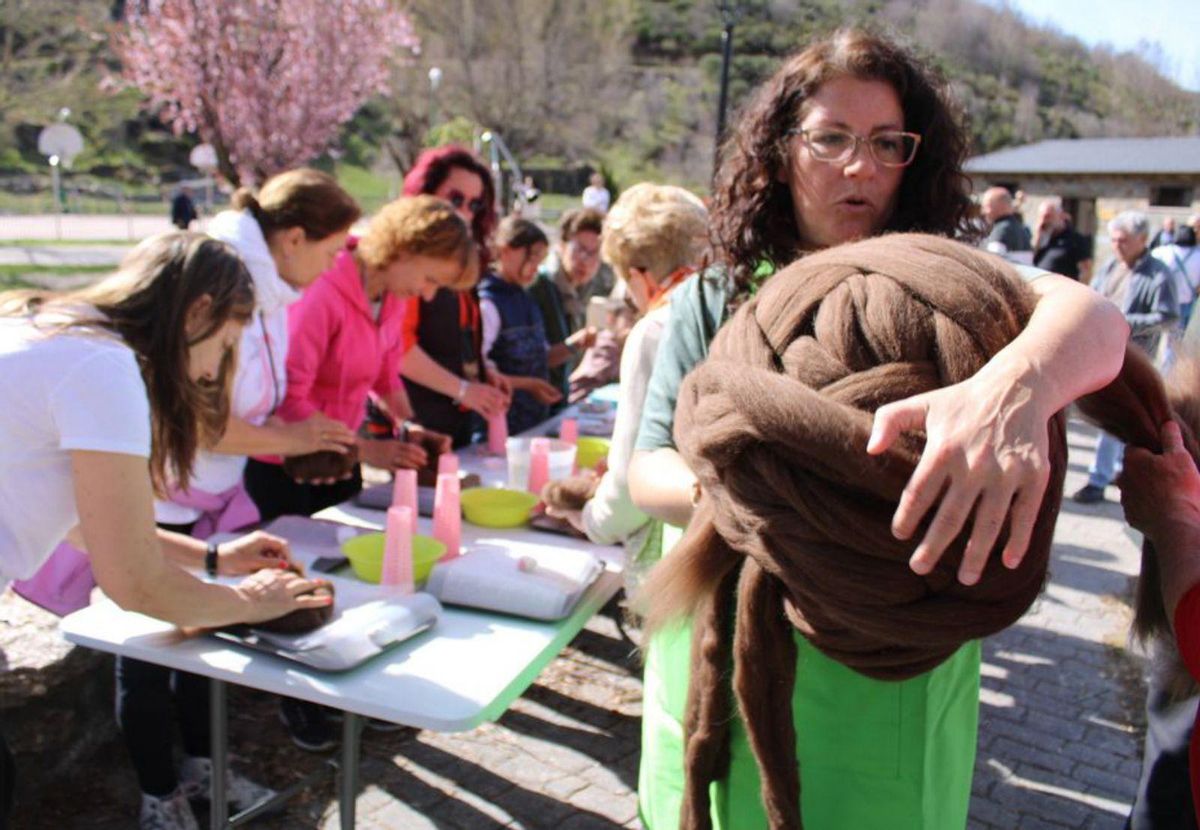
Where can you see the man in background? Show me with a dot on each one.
(1007, 234)
(183, 209)
(596, 196)
(1165, 235)
(1058, 247)
(1144, 289)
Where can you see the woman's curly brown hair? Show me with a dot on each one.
(753, 220)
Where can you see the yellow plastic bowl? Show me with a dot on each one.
(366, 556)
(497, 507)
(590, 451)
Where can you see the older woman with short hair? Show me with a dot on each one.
(655, 237)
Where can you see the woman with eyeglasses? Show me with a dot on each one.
(444, 371)
(855, 137)
(563, 288)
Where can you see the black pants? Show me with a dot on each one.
(1164, 798)
(275, 493)
(145, 693)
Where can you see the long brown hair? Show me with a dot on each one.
(146, 304)
(303, 198)
(753, 220)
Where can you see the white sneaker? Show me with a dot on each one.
(170, 813)
(195, 780)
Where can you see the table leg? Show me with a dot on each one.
(352, 726)
(218, 805)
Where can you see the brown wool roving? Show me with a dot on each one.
(793, 532)
(302, 620)
(321, 465)
(1133, 408)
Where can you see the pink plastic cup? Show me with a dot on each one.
(404, 490)
(447, 514)
(539, 465)
(568, 430)
(497, 433)
(397, 571)
(448, 463)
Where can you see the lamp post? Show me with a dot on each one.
(59, 143)
(204, 158)
(731, 13)
(435, 81)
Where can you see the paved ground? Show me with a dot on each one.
(75, 226)
(1059, 740)
(1061, 718)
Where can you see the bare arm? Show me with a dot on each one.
(542, 391)
(661, 485)
(276, 437)
(420, 367)
(116, 519)
(987, 436)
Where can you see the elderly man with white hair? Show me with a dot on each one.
(1144, 289)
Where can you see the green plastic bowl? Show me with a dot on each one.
(497, 507)
(366, 556)
(590, 451)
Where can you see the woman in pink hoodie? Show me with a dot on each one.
(345, 342)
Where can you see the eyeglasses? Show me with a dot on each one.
(889, 148)
(457, 198)
(579, 250)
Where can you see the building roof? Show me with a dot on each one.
(1103, 156)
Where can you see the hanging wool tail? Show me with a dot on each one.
(1133, 408)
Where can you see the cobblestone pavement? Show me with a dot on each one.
(1061, 716)
(1060, 732)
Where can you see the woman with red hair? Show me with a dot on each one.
(444, 369)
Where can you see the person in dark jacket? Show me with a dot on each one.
(183, 209)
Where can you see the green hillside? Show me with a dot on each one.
(631, 84)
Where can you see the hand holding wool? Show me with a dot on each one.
(985, 451)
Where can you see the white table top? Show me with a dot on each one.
(467, 670)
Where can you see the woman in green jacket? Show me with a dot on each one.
(851, 138)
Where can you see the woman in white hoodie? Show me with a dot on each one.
(287, 235)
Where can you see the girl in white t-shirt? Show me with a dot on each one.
(286, 234)
(108, 393)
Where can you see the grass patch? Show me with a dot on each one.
(9, 282)
(34, 276)
(65, 243)
(371, 190)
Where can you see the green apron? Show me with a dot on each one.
(873, 755)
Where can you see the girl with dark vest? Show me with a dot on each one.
(514, 334)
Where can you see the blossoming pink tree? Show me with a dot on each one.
(266, 82)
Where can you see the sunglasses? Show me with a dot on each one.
(457, 198)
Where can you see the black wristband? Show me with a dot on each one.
(210, 559)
